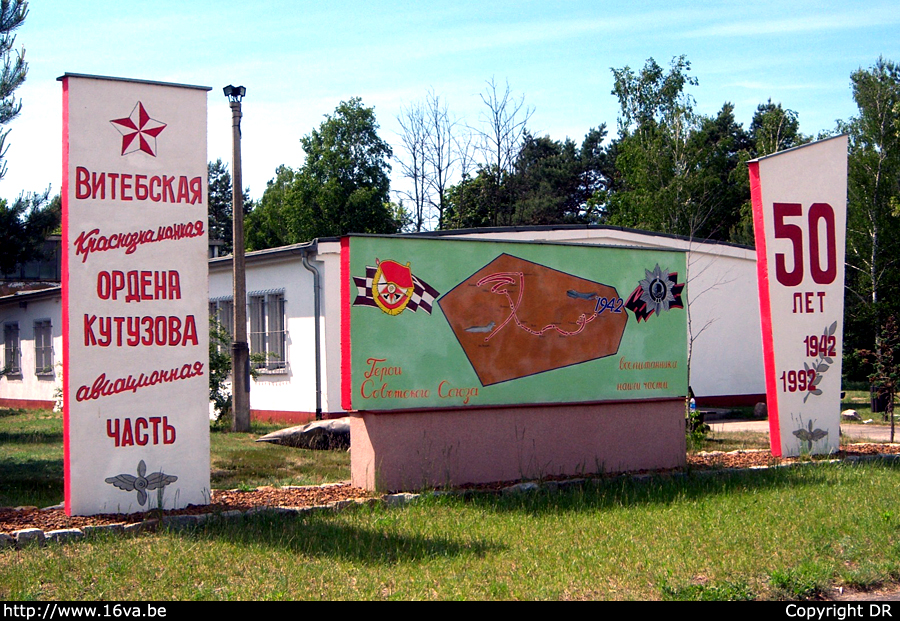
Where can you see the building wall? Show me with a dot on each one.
(30, 388)
(289, 395)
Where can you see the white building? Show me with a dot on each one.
(726, 356)
(31, 323)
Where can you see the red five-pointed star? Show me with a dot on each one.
(138, 131)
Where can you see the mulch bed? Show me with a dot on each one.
(13, 519)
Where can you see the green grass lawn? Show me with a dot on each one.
(770, 534)
(779, 533)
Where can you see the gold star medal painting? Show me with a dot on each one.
(393, 288)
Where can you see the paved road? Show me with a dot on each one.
(875, 433)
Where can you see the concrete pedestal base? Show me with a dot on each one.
(400, 451)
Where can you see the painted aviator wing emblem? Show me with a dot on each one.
(810, 435)
(140, 483)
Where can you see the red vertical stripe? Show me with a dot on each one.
(346, 388)
(67, 390)
(765, 309)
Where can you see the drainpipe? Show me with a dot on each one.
(318, 312)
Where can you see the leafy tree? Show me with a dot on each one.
(720, 185)
(885, 360)
(554, 182)
(873, 229)
(774, 129)
(342, 187)
(219, 204)
(31, 217)
(264, 226)
(551, 182)
(677, 171)
(477, 201)
(23, 227)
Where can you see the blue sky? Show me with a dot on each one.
(299, 59)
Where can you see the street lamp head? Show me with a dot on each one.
(234, 93)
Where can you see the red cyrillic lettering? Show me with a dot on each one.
(119, 321)
(196, 191)
(140, 438)
(112, 433)
(174, 330)
(146, 283)
(167, 438)
(104, 327)
(118, 282)
(140, 187)
(112, 184)
(89, 338)
(183, 196)
(155, 421)
(103, 285)
(159, 289)
(147, 323)
(154, 189)
(160, 330)
(134, 331)
(125, 186)
(82, 183)
(98, 183)
(168, 194)
(127, 433)
(190, 331)
(174, 285)
(134, 287)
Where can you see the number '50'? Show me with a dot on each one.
(820, 214)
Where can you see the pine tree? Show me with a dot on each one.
(14, 68)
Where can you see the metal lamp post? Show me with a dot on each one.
(240, 352)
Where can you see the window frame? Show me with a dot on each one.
(43, 347)
(222, 310)
(268, 330)
(12, 347)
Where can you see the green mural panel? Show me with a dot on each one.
(463, 323)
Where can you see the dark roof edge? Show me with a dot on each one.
(135, 80)
(310, 246)
(34, 294)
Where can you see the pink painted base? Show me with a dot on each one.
(411, 451)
